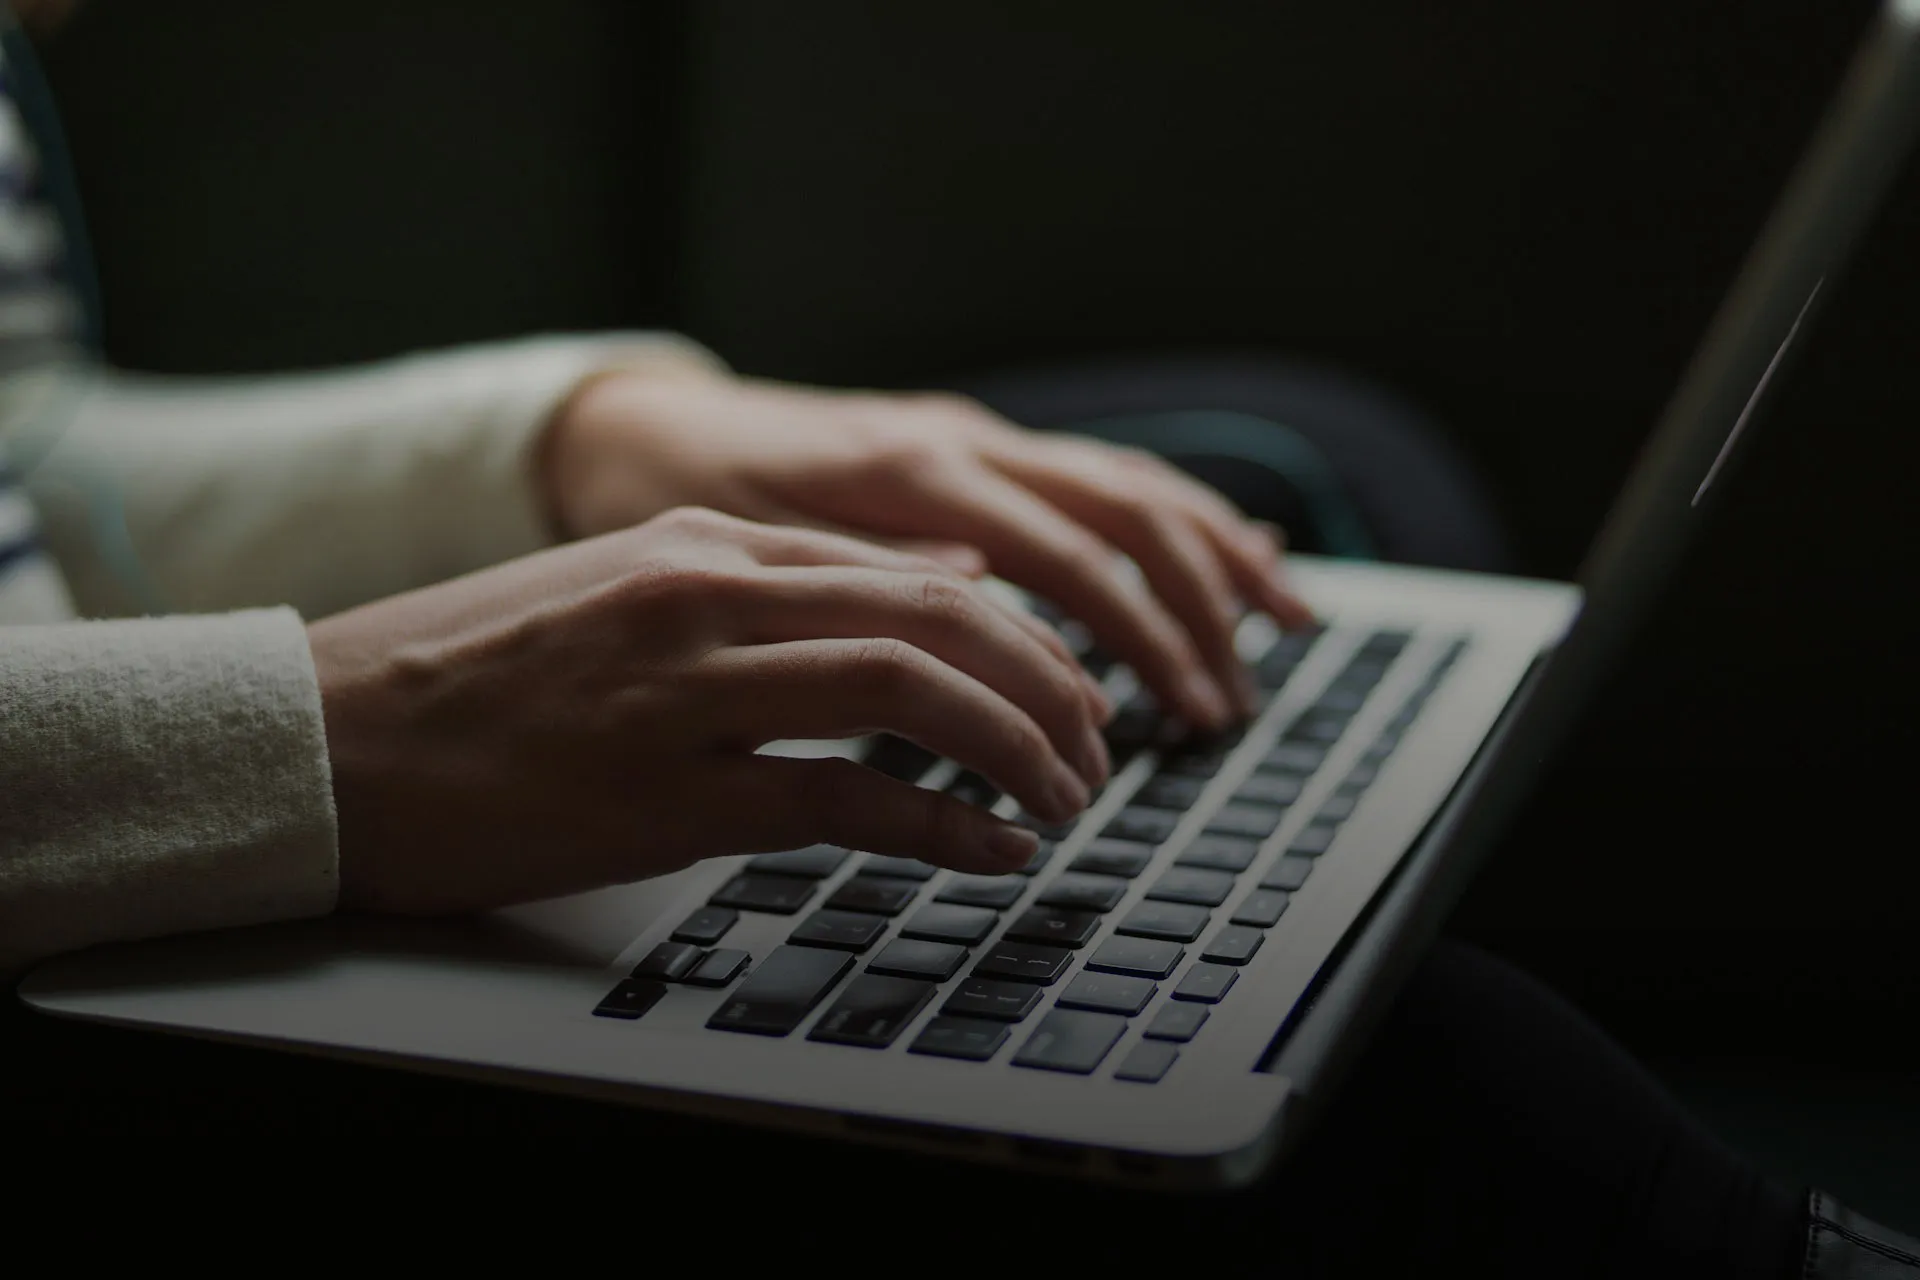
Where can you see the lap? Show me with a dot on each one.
(1489, 1127)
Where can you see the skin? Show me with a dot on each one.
(591, 715)
(747, 562)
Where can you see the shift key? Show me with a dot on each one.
(778, 996)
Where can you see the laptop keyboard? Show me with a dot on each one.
(1070, 973)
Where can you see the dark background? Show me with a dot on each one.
(1518, 215)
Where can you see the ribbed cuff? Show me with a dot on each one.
(160, 776)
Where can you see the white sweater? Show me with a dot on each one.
(164, 774)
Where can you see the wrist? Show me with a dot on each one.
(561, 470)
(599, 459)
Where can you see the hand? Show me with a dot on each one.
(1051, 513)
(590, 715)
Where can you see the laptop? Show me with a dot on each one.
(1166, 995)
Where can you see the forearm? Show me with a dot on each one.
(320, 491)
(159, 776)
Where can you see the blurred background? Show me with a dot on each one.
(1517, 215)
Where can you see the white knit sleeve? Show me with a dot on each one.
(159, 776)
(320, 491)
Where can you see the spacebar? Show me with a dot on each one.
(779, 994)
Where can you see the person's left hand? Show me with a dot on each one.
(1051, 513)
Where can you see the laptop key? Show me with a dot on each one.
(1024, 962)
(1040, 858)
(843, 930)
(1317, 726)
(1196, 762)
(1071, 1040)
(668, 962)
(1171, 921)
(1139, 957)
(1219, 852)
(632, 998)
(970, 1039)
(1262, 908)
(985, 998)
(1288, 874)
(778, 996)
(1234, 944)
(913, 958)
(718, 967)
(1107, 993)
(776, 895)
(1314, 839)
(1078, 892)
(874, 895)
(872, 1011)
(1177, 1021)
(1294, 757)
(1206, 983)
(1243, 818)
(1338, 808)
(997, 892)
(1197, 885)
(1170, 791)
(896, 868)
(1342, 701)
(706, 926)
(1054, 926)
(949, 922)
(1147, 1062)
(1108, 857)
(1270, 788)
(815, 862)
(1148, 826)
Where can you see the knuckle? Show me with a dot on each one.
(945, 601)
(884, 665)
(695, 521)
(945, 403)
(674, 596)
(907, 461)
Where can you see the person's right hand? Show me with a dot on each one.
(591, 715)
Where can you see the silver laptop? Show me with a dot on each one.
(1168, 991)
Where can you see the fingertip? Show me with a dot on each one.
(1207, 705)
(1010, 847)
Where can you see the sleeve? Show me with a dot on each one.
(160, 776)
(320, 491)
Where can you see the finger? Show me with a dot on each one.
(1252, 555)
(968, 561)
(1180, 563)
(1250, 550)
(1031, 542)
(838, 688)
(798, 545)
(1096, 698)
(953, 621)
(763, 803)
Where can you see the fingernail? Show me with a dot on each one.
(1245, 692)
(1070, 795)
(1012, 846)
(1102, 705)
(1095, 749)
(1206, 696)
